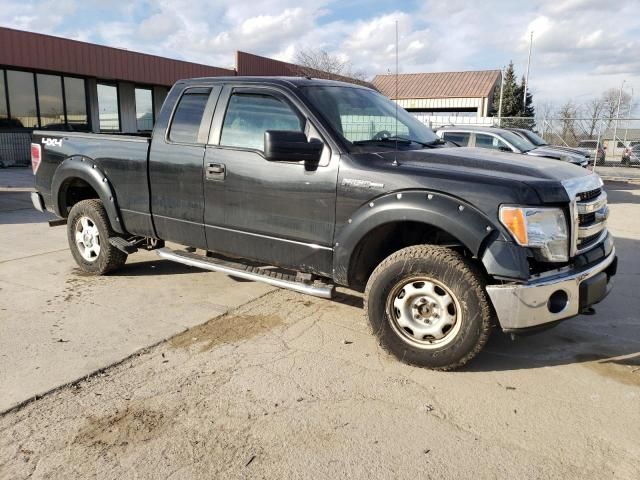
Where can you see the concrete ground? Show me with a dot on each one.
(290, 386)
(58, 325)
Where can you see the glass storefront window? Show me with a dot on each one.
(3, 97)
(76, 99)
(144, 109)
(22, 98)
(108, 113)
(50, 101)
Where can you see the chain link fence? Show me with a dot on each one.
(15, 148)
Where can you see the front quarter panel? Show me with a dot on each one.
(450, 214)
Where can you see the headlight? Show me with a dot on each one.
(543, 229)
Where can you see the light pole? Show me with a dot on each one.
(501, 92)
(626, 125)
(526, 78)
(615, 126)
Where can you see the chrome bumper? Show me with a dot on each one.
(38, 202)
(521, 306)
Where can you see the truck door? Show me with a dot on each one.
(280, 213)
(175, 165)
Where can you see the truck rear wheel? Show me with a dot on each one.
(88, 232)
(428, 307)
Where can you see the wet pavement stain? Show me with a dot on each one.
(226, 329)
(624, 370)
(131, 425)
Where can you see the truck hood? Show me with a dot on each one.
(544, 175)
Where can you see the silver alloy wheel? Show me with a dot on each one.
(424, 312)
(87, 239)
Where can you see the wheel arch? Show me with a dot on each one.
(421, 216)
(79, 171)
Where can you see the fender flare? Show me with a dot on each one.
(450, 214)
(86, 169)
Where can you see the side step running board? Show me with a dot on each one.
(316, 288)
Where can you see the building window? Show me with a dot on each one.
(108, 112)
(144, 109)
(188, 116)
(76, 103)
(22, 98)
(50, 101)
(3, 97)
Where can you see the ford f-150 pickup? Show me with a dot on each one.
(310, 184)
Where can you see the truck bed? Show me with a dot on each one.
(121, 158)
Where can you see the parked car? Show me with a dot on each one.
(631, 154)
(594, 149)
(443, 242)
(504, 140)
(538, 141)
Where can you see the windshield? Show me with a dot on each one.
(533, 137)
(517, 141)
(364, 117)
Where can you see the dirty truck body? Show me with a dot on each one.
(318, 180)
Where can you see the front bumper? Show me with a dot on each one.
(551, 298)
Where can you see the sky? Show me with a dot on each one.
(580, 47)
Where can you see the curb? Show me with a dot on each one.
(608, 178)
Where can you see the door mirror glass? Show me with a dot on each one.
(291, 146)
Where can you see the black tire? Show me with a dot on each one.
(109, 258)
(443, 269)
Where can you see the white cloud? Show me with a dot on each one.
(580, 48)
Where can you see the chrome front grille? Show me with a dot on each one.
(590, 195)
(591, 224)
(589, 212)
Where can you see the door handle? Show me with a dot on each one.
(215, 171)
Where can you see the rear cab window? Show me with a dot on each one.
(188, 114)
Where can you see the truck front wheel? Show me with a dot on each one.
(88, 232)
(428, 307)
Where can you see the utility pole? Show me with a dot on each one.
(615, 126)
(526, 78)
(626, 125)
(501, 92)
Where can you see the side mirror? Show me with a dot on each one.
(504, 149)
(291, 146)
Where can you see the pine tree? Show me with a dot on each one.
(512, 94)
(509, 94)
(528, 108)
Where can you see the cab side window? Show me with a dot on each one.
(248, 116)
(459, 138)
(488, 141)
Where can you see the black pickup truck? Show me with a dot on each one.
(307, 184)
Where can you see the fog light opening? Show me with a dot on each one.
(558, 301)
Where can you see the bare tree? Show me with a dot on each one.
(592, 111)
(323, 60)
(544, 114)
(568, 112)
(610, 100)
